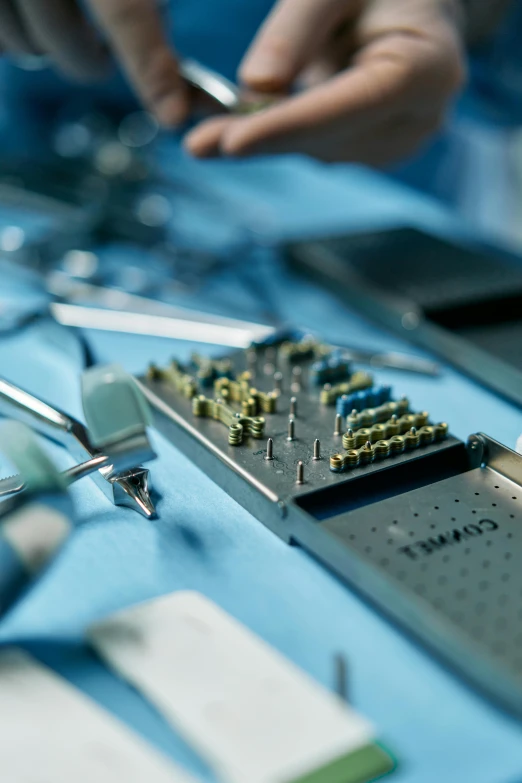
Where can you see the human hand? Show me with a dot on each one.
(132, 29)
(378, 75)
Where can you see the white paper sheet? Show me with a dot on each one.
(51, 733)
(255, 716)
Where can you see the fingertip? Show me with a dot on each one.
(200, 149)
(204, 141)
(250, 135)
(265, 71)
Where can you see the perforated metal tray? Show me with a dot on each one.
(448, 558)
(433, 536)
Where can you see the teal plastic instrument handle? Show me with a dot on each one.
(21, 447)
(114, 406)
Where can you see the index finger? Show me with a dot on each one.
(398, 74)
(135, 32)
(309, 122)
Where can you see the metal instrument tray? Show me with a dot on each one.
(461, 301)
(432, 536)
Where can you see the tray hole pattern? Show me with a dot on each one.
(475, 581)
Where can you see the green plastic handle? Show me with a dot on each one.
(21, 447)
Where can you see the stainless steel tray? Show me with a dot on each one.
(432, 536)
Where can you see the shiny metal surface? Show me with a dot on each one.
(11, 485)
(393, 360)
(211, 83)
(444, 559)
(221, 90)
(501, 459)
(218, 331)
(293, 438)
(432, 536)
(14, 484)
(321, 262)
(129, 488)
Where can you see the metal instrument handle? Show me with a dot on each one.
(129, 488)
(15, 403)
(213, 84)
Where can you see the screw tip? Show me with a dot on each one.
(269, 449)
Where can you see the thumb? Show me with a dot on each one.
(290, 38)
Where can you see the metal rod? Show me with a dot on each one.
(392, 360)
(211, 83)
(128, 322)
(78, 472)
(129, 488)
(14, 484)
(341, 676)
(82, 294)
(219, 88)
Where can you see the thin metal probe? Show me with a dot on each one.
(71, 475)
(128, 488)
(341, 676)
(219, 88)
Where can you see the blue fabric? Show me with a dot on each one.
(13, 574)
(496, 70)
(203, 540)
